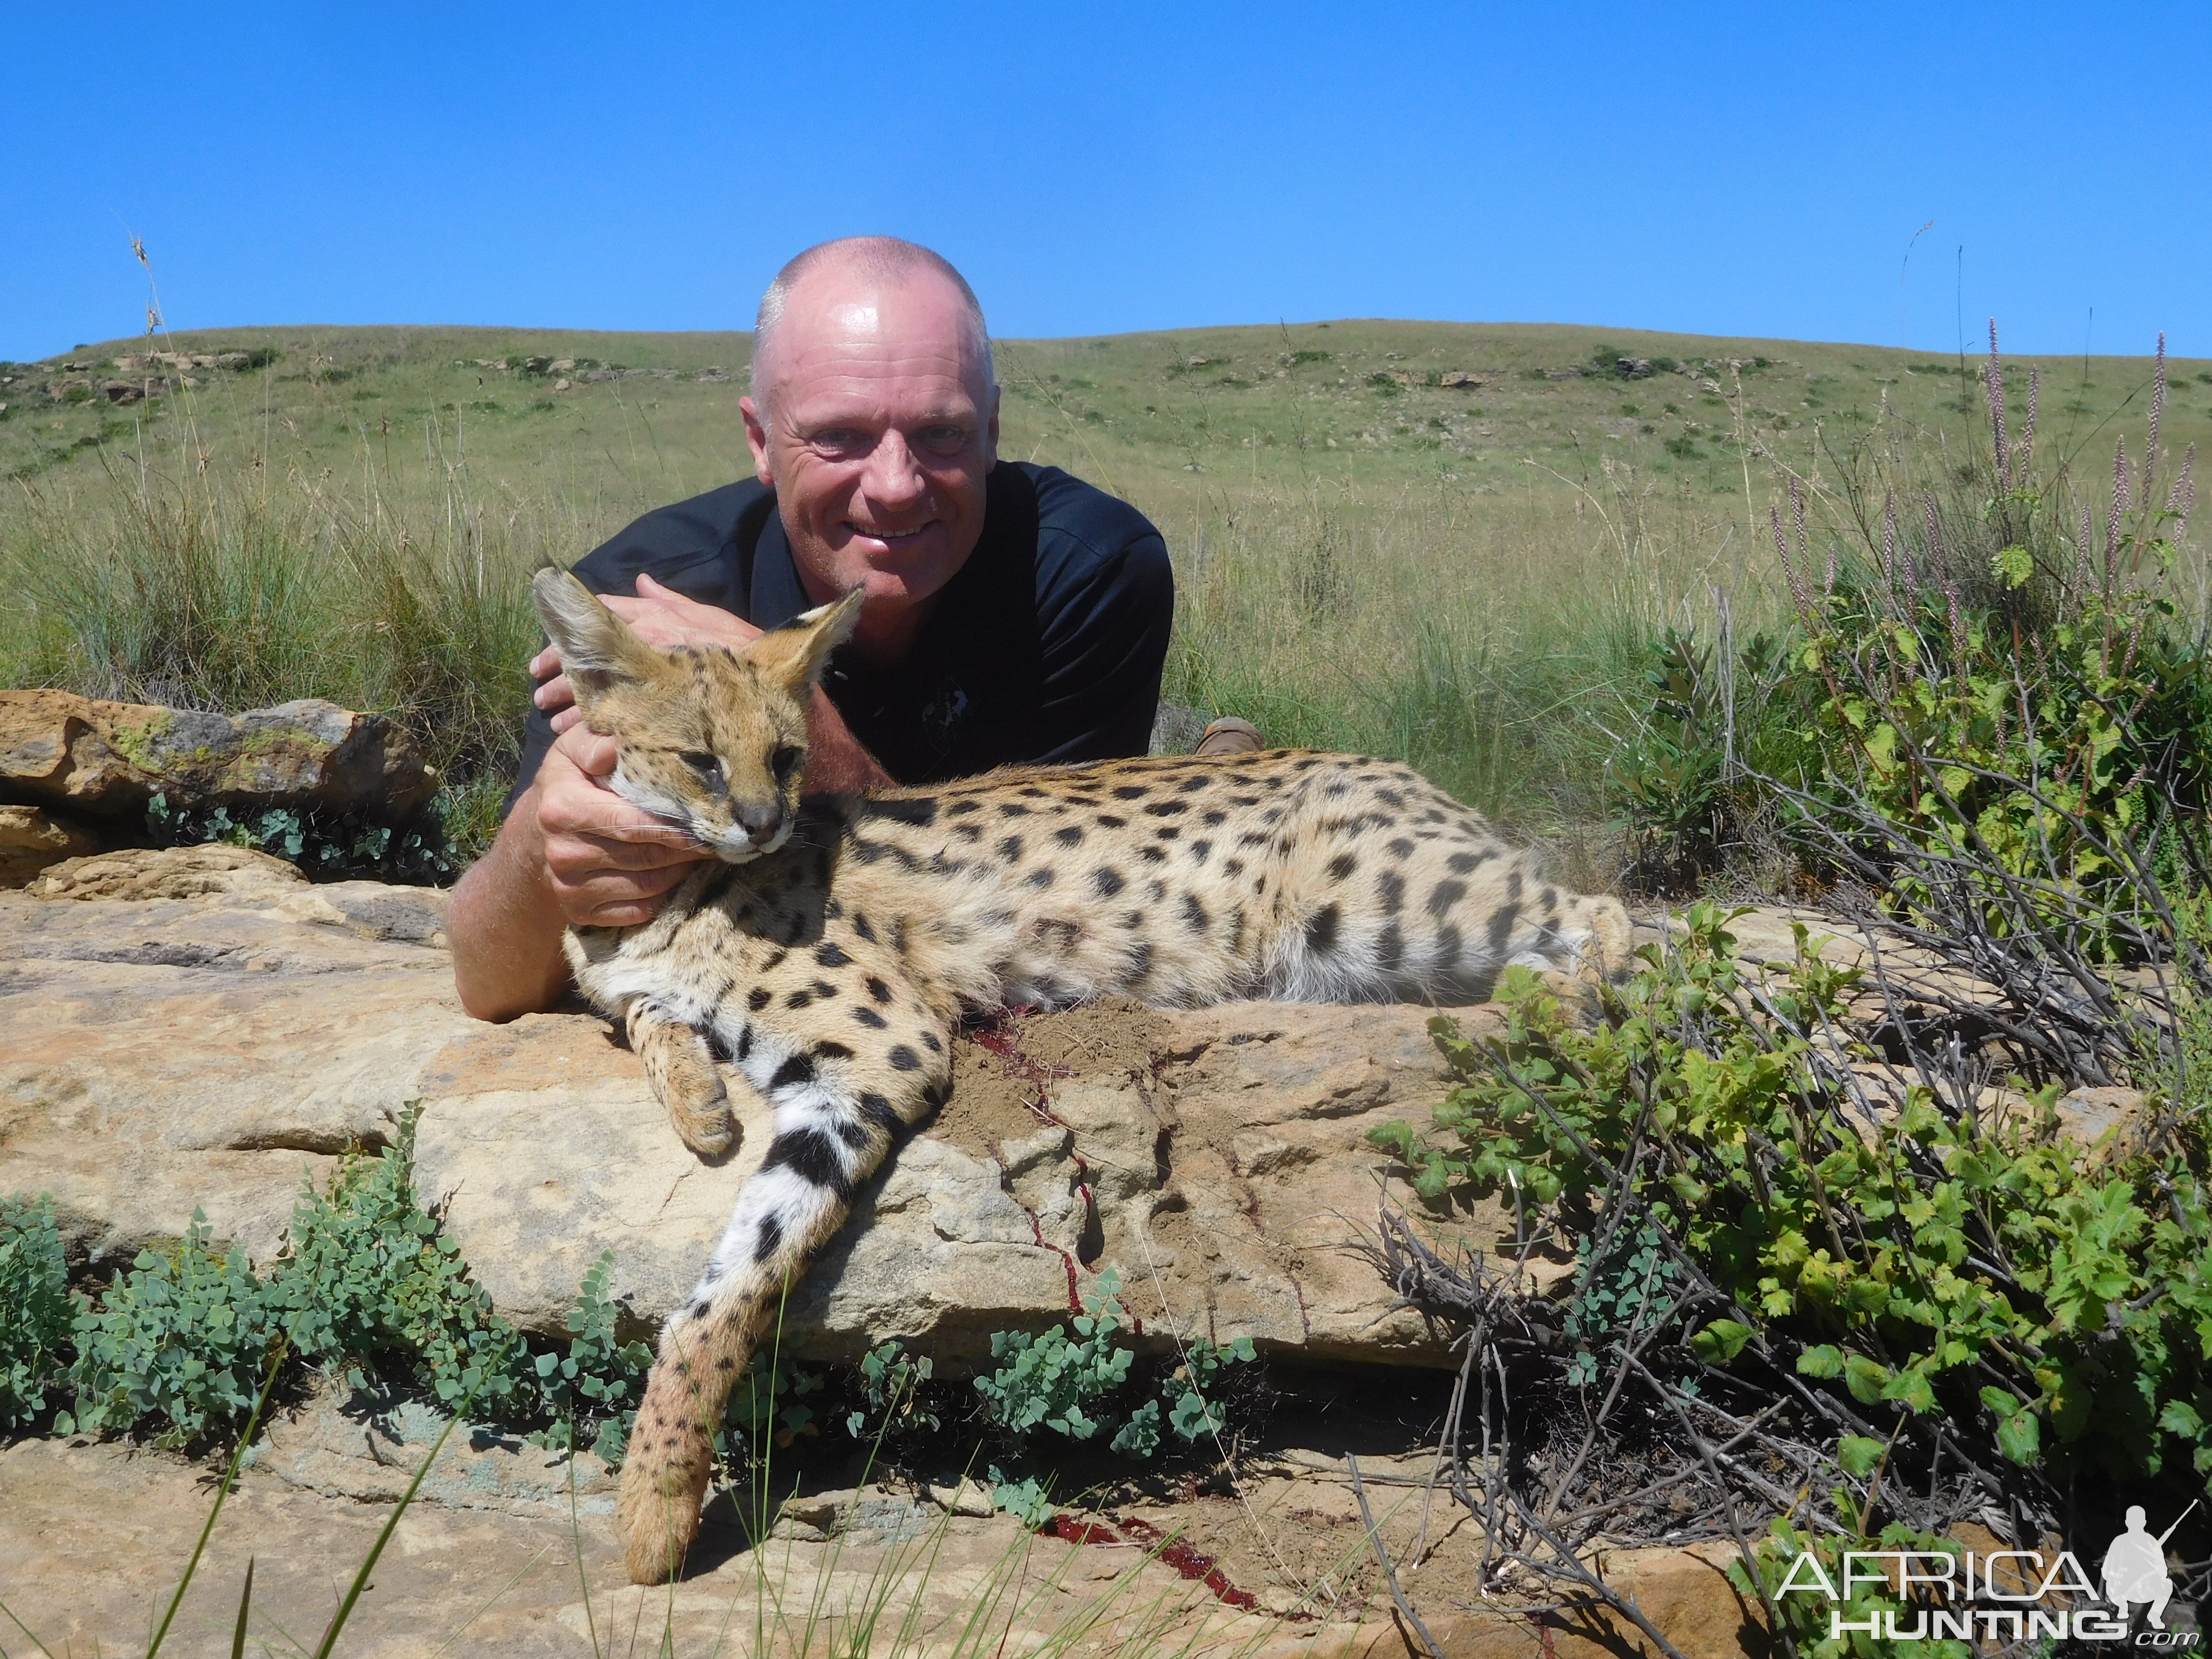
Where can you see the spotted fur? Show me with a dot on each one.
(831, 949)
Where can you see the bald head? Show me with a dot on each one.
(835, 286)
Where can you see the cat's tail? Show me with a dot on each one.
(829, 1138)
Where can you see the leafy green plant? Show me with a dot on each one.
(181, 1337)
(601, 1377)
(1047, 1381)
(1071, 1385)
(1929, 1261)
(324, 843)
(35, 1291)
(891, 1406)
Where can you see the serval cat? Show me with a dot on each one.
(831, 946)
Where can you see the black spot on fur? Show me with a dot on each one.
(1129, 792)
(921, 810)
(1321, 932)
(1232, 866)
(771, 1239)
(870, 1017)
(1166, 809)
(961, 808)
(861, 927)
(1010, 849)
(1501, 929)
(757, 999)
(930, 1041)
(1107, 882)
(1194, 782)
(775, 961)
(824, 989)
(827, 955)
(798, 999)
(877, 989)
(1012, 809)
(1448, 945)
(1342, 866)
(1461, 864)
(1039, 878)
(879, 1111)
(1140, 961)
(1389, 948)
(813, 1156)
(745, 1044)
(1447, 894)
(1392, 886)
(1194, 913)
(903, 1059)
(1166, 832)
(800, 1068)
(1199, 850)
(1070, 837)
(1151, 855)
(1216, 817)
(1109, 821)
(827, 1050)
(1401, 849)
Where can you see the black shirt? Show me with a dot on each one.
(1046, 646)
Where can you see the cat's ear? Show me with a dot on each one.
(597, 648)
(794, 655)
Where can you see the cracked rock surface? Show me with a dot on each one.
(223, 1036)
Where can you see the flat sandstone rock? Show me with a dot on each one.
(217, 1045)
(109, 759)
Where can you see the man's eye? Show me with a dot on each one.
(706, 765)
(944, 437)
(843, 441)
(785, 762)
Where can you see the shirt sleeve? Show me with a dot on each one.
(1105, 643)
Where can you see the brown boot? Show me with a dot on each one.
(1230, 736)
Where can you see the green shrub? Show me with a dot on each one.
(182, 1337)
(1045, 1382)
(1939, 1263)
(34, 1292)
(325, 843)
(1074, 1385)
(368, 1277)
(890, 1407)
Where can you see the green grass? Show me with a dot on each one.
(1468, 576)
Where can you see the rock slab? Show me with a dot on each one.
(225, 1035)
(109, 759)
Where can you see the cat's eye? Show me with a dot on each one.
(784, 762)
(706, 765)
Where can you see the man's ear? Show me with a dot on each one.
(794, 655)
(596, 646)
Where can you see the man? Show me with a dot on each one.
(1013, 613)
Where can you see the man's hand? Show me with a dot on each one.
(609, 864)
(659, 616)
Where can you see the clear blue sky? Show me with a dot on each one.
(1751, 170)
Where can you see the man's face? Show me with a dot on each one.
(878, 432)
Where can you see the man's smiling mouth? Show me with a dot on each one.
(890, 537)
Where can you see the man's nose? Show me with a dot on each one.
(893, 478)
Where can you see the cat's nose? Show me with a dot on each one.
(761, 823)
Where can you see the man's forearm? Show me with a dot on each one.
(505, 926)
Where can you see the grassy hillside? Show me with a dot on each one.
(1451, 542)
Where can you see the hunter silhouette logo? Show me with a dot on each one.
(2135, 1568)
(2000, 1595)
